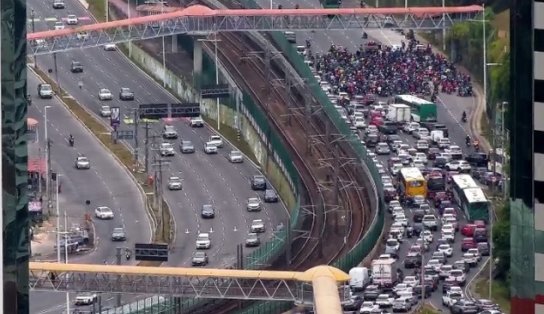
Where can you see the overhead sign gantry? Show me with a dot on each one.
(198, 20)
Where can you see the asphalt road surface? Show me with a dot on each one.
(207, 179)
(105, 184)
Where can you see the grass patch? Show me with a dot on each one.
(501, 22)
(98, 9)
(427, 309)
(121, 151)
(485, 127)
(500, 292)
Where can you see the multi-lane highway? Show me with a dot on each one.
(207, 179)
(106, 183)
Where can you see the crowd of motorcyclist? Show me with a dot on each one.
(410, 68)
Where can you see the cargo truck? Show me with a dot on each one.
(384, 273)
(399, 113)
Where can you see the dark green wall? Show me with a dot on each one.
(14, 157)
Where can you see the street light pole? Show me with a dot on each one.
(444, 26)
(65, 245)
(47, 160)
(33, 16)
(217, 83)
(484, 44)
(58, 219)
(130, 41)
(106, 10)
(163, 52)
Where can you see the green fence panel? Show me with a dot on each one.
(266, 307)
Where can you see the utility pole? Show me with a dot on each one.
(118, 260)
(33, 16)
(48, 186)
(148, 137)
(158, 164)
(136, 124)
(56, 72)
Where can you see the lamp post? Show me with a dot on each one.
(163, 52)
(47, 159)
(32, 17)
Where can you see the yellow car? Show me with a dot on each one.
(130, 120)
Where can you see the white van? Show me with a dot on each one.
(437, 135)
(407, 294)
(359, 278)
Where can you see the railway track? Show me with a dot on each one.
(325, 222)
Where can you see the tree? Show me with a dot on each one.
(501, 243)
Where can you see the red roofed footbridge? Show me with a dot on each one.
(201, 20)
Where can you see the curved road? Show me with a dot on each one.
(207, 179)
(105, 184)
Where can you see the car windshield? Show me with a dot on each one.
(253, 200)
(392, 242)
(200, 254)
(235, 153)
(186, 143)
(118, 230)
(174, 179)
(45, 87)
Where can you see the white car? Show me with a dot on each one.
(421, 133)
(196, 122)
(475, 252)
(457, 276)
(410, 127)
(458, 165)
(435, 264)
(174, 183)
(422, 145)
(216, 140)
(384, 300)
(105, 111)
(167, 149)
(105, 94)
(427, 236)
(83, 162)
(402, 219)
(445, 271)
(210, 148)
(448, 235)
(236, 156)
(411, 281)
(110, 47)
(444, 143)
(103, 212)
(253, 204)
(451, 297)
(401, 287)
(59, 25)
(420, 157)
(359, 123)
(82, 35)
(372, 129)
(257, 226)
(470, 259)
(203, 241)
(446, 249)
(86, 299)
(429, 221)
(396, 211)
(72, 20)
(368, 307)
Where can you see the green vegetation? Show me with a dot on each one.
(98, 9)
(500, 292)
(121, 152)
(427, 309)
(501, 241)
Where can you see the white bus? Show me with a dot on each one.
(460, 183)
(475, 204)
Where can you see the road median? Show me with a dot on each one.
(123, 154)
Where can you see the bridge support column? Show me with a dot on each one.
(174, 43)
(197, 58)
(326, 298)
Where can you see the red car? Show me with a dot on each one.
(468, 243)
(468, 230)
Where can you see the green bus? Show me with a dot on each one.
(422, 110)
(470, 198)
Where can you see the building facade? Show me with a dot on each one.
(527, 163)
(16, 245)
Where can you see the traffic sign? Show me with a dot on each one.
(125, 134)
(115, 117)
(151, 252)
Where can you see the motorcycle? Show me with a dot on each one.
(71, 141)
(464, 119)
